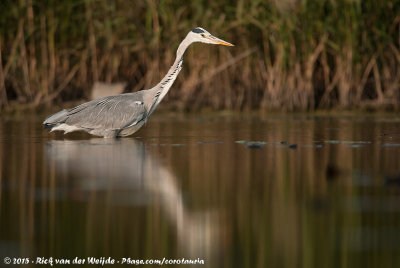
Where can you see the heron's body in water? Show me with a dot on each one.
(124, 114)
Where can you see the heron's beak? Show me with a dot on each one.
(218, 41)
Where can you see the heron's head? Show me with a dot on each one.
(200, 35)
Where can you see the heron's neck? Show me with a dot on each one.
(173, 72)
(165, 84)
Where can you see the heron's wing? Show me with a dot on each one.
(113, 112)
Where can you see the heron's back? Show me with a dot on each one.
(106, 116)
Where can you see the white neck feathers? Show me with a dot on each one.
(165, 84)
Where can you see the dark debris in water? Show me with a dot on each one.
(332, 172)
(313, 146)
(261, 144)
(164, 144)
(358, 144)
(355, 145)
(252, 144)
(390, 145)
(317, 144)
(210, 142)
(393, 180)
(347, 142)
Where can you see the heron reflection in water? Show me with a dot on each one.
(126, 170)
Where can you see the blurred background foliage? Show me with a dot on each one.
(289, 54)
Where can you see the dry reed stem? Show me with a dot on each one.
(62, 85)
(361, 85)
(92, 42)
(25, 69)
(3, 92)
(14, 47)
(220, 68)
(51, 52)
(44, 57)
(378, 84)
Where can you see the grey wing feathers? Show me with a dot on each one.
(108, 113)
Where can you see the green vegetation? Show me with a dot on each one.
(289, 54)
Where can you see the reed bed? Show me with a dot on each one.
(289, 55)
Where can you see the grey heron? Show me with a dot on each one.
(124, 114)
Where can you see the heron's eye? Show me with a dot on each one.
(202, 35)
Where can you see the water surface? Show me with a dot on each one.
(234, 191)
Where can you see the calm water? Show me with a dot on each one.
(315, 191)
